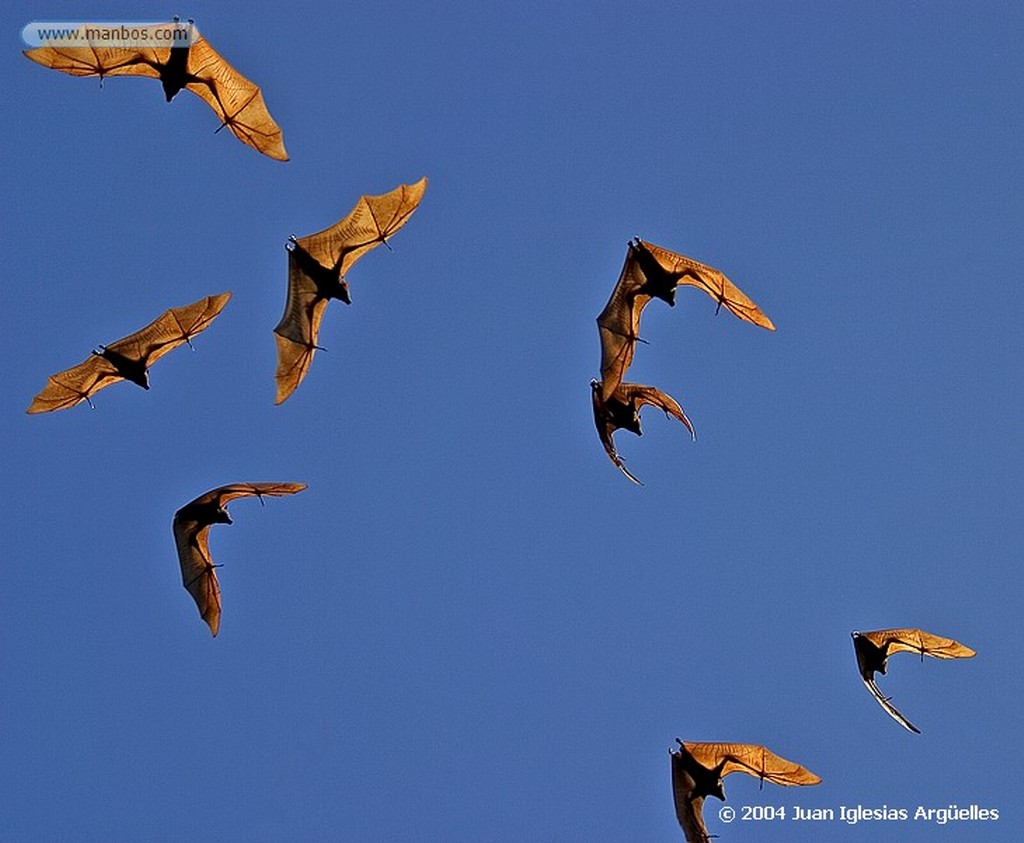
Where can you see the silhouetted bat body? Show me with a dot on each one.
(650, 272)
(191, 535)
(622, 410)
(128, 358)
(317, 266)
(237, 102)
(698, 770)
(874, 648)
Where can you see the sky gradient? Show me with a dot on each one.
(471, 626)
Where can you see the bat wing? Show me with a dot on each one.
(918, 641)
(170, 329)
(713, 282)
(883, 700)
(93, 59)
(641, 395)
(223, 495)
(237, 102)
(370, 223)
(754, 760)
(689, 809)
(198, 573)
(297, 332)
(293, 362)
(619, 325)
(300, 322)
(65, 389)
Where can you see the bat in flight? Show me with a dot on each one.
(191, 535)
(698, 770)
(622, 409)
(317, 266)
(195, 66)
(128, 358)
(874, 648)
(650, 272)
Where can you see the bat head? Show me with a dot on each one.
(220, 516)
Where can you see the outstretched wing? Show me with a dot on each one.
(689, 809)
(370, 223)
(94, 59)
(638, 394)
(198, 573)
(66, 389)
(883, 701)
(754, 760)
(223, 495)
(711, 281)
(293, 362)
(918, 641)
(303, 308)
(619, 325)
(237, 102)
(296, 334)
(170, 329)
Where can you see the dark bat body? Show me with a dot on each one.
(237, 102)
(874, 648)
(191, 535)
(699, 768)
(622, 410)
(128, 358)
(317, 266)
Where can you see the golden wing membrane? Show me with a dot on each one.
(754, 760)
(130, 357)
(655, 260)
(66, 389)
(93, 59)
(237, 102)
(874, 648)
(191, 537)
(371, 222)
(619, 324)
(919, 641)
(317, 265)
(622, 410)
(172, 328)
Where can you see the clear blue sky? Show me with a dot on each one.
(471, 627)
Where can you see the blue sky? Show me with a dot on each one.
(471, 627)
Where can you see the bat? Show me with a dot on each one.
(196, 66)
(128, 358)
(699, 768)
(191, 535)
(648, 272)
(874, 648)
(623, 410)
(317, 266)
